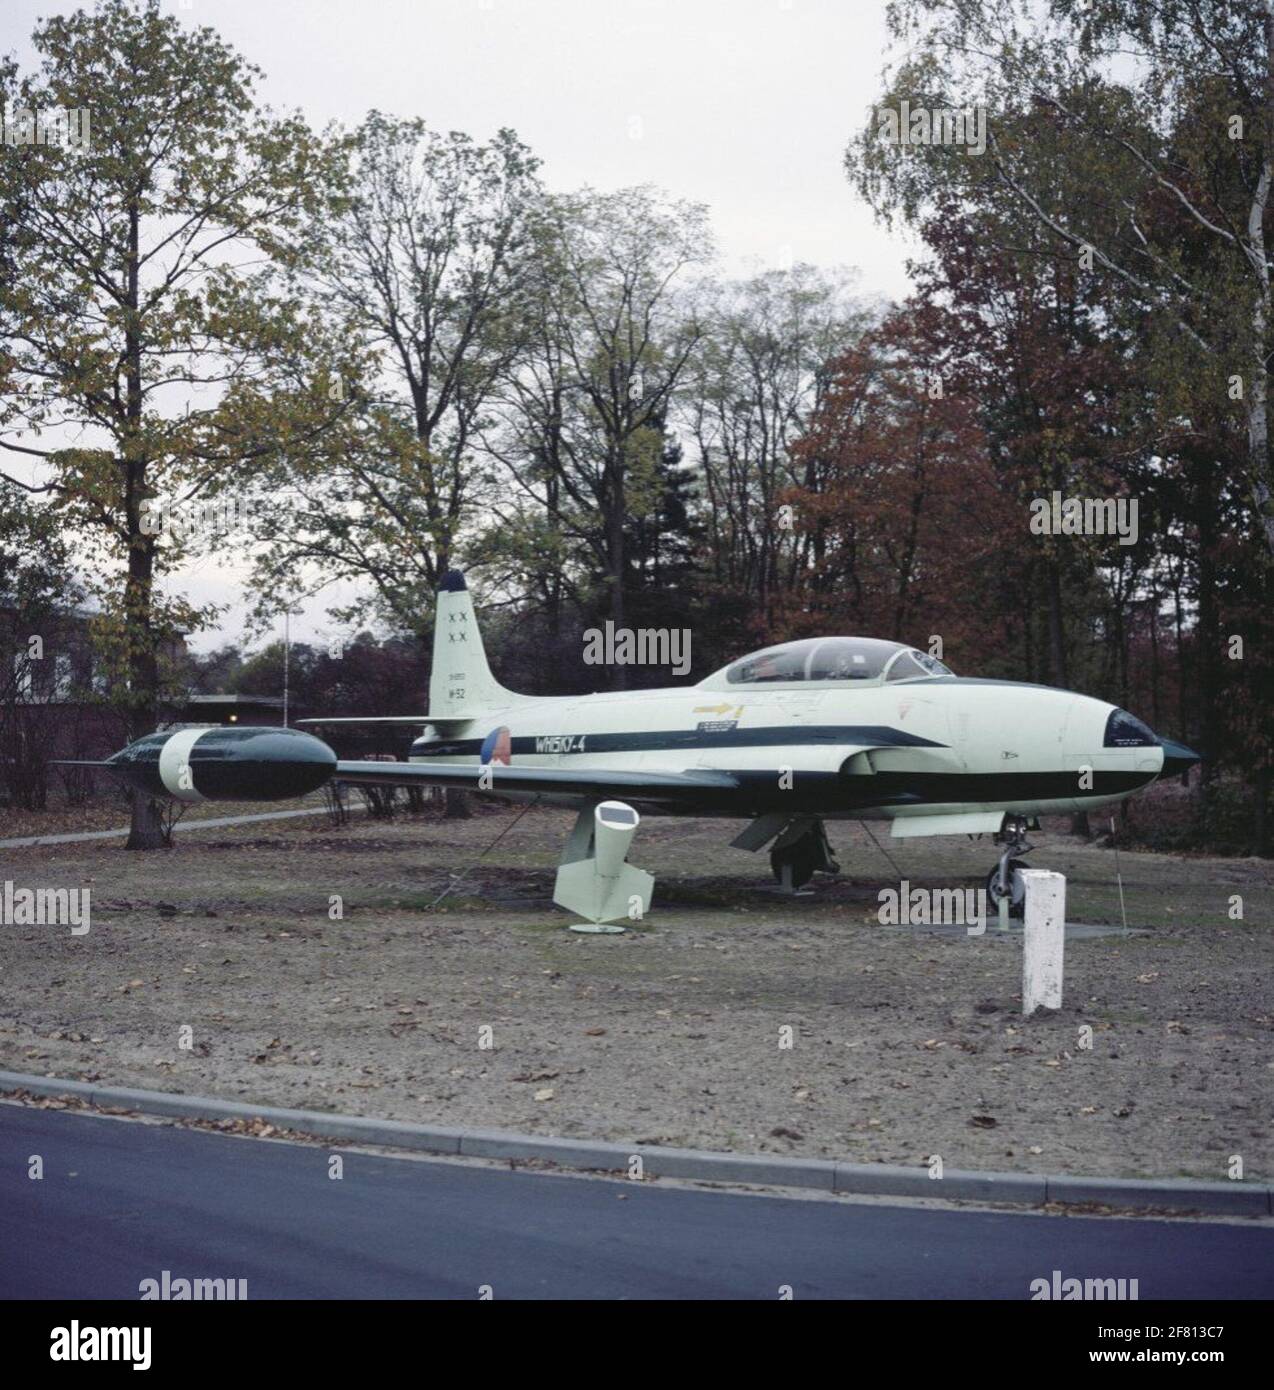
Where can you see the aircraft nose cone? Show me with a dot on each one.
(1177, 758)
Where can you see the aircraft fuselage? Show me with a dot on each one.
(934, 745)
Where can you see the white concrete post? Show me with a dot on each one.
(1043, 940)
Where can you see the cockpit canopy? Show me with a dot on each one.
(828, 661)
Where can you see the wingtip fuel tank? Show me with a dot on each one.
(225, 764)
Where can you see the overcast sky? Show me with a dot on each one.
(745, 105)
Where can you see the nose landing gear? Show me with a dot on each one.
(1005, 880)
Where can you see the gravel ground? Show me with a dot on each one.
(903, 1045)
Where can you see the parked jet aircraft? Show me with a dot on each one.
(836, 728)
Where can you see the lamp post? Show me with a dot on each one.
(287, 657)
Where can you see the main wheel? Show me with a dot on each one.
(803, 856)
(1017, 888)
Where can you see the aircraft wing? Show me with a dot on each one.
(497, 777)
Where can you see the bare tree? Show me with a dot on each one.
(760, 373)
(609, 335)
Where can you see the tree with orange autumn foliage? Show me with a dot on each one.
(899, 525)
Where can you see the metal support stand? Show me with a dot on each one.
(593, 881)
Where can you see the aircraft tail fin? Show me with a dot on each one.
(460, 681)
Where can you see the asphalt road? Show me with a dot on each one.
(120, 1202)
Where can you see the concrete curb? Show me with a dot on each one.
(764, 1170)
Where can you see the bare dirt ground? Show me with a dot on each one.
(111, 813)
(904, 1044)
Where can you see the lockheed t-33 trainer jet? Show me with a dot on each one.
(833, 728)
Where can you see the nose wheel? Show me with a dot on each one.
(1005, 880)
(1016, 888)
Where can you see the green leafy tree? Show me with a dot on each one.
(421, 262)
(138, 267)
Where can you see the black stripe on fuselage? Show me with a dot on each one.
(668, 740)
(945, 788)
(758, 791)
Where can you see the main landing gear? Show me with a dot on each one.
(801, 851)
(1005, 880)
